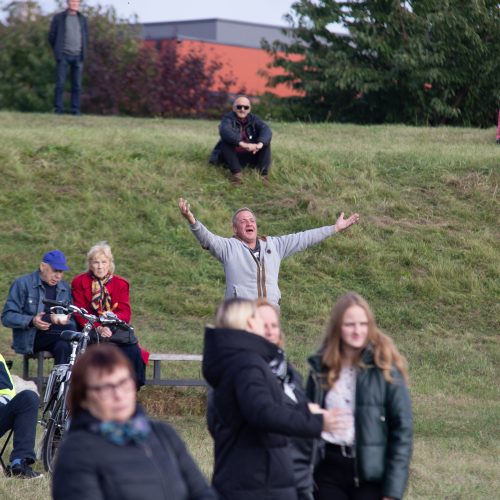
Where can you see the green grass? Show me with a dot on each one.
(426, 253)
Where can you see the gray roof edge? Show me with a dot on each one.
(180, 38)
(215, 19)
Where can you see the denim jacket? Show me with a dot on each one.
(24, 301)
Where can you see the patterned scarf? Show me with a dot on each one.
(135, 430)
(279, 366)
(101, 299)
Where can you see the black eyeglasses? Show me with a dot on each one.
(106, 391)
(241, 106)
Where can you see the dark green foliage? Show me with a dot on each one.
(421, 61)
(26, 65)
(122, 75)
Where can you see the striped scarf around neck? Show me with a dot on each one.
(101, 298)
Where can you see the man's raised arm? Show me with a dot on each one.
(217, 245)
(185, 209)
(297, 242)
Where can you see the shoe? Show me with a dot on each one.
(498, 141)
(24, 471)
(236, 179)
(265, 180)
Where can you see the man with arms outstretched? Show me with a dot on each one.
(251, 262)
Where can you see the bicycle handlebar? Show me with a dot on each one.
(106, 319)
(110, 318)
(69, 309)
(56, 303)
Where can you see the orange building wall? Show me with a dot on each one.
(244, 64)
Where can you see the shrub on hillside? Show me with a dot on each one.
(121, 75)
(419, 62)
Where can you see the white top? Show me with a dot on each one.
(343, 396)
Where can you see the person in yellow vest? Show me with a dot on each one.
(18, 412)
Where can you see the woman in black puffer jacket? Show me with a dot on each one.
(359, 374)
(247, 415)
(112, 450)
(302, 449)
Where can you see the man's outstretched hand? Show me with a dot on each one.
(342, 223)
(185, 209)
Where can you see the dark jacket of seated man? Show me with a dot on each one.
(18, 412)
(232, 131)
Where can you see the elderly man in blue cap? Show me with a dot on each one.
(34, 328)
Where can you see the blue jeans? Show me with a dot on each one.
(21, 414)
(76, 70)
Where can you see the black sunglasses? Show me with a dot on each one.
(240, 107)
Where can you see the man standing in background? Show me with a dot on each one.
(68, 37)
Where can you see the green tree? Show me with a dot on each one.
(420, 61)
(26, 63)
(122, 74)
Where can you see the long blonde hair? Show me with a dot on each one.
(385, 354)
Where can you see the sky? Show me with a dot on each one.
(148, 11)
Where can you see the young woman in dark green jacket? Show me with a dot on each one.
(359, 374)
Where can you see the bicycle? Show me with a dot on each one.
(55, 415)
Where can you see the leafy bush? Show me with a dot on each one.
(122, 75)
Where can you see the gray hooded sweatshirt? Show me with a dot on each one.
(251, 278)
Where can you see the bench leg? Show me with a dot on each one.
(39, 374)
(26, 367)
(156, 371)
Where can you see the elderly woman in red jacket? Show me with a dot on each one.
(99, 290)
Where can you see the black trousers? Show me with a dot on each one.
(134, 354)
(236, 161)
(21, 414)
(52, 342)
(334, 478)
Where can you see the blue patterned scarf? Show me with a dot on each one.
(135, 430)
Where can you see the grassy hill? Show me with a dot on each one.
(426, 253)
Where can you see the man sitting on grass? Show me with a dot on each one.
(244, 140)
(20, 413)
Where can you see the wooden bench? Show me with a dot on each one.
(156, 358)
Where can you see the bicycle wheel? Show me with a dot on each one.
(54, 433)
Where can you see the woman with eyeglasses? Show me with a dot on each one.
(359, 374)
(112, 450)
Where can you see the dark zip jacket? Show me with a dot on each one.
(230, 132)
(383, 423)
(88, 466)
(250, 421)
(57, 32)
(301, 448)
